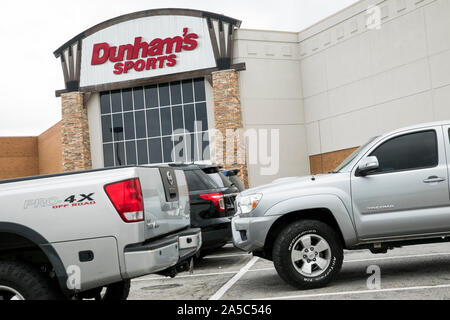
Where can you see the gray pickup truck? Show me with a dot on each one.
(392, 192)
(86, 234)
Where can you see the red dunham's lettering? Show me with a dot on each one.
(162, 49)
(172, 60)
(151, 64)
(155, 48)
(128, 66)
(121, 54)
(139, 45)
(170, 42)
(189, 40)
(161, 61)
(100, 53)
(118, 68)
(139, 65)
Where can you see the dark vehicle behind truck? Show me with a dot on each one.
(212, 205)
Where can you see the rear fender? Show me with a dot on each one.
(50, 252)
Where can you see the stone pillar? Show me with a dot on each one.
(228, 117)
(76, 147)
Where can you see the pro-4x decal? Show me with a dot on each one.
(75, 200)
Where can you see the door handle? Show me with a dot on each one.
(434, 179)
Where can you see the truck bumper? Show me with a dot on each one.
(216, 236)
(249, 234)
(154, 256)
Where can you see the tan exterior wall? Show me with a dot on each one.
(326, 162)
(397, 75)
(50, 150)
(31, 156)
(18, 157)
(272, 101)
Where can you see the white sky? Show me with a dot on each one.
(30, 30)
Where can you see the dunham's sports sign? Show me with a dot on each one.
(141, 55)
(146, 47)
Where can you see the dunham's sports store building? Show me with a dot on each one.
(132, 82)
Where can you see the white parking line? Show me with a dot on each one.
(401, 257)
(356, 292)
(233, 280)
(186, 276)
(200, 275)
(228, 256)
(262, 269)
(377, 259)
(272, 268)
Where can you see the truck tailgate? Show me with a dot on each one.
(166, 200)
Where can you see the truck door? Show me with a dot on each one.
(409, 194)
(446, 130)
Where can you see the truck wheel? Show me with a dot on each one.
(307, 254)
(117, 291)
(21, 281)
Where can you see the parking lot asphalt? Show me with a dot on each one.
(415, 272)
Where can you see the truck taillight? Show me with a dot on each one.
(126, 196)
(216, 198)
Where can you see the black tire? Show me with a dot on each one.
(284, 244)
(200, 255)
(28, 281)
(117, 291)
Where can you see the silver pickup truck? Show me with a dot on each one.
(86, 234)
(391, 192)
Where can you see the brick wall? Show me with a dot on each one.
(62, 148)
(18, 157)
(228, 115)
(50, 150)
(31, 156)
(326, 162)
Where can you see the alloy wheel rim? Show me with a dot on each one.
(311, 255)
(8, 293)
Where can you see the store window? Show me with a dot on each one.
(144, 125)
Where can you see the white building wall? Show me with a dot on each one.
(271, 98)
(358, 82)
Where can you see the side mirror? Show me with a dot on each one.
(367, 165)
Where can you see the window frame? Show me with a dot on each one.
(113, 140)
(370, 153)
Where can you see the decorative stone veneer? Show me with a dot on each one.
(228, 117)
(76, 149)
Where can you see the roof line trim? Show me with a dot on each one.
(143, 14)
